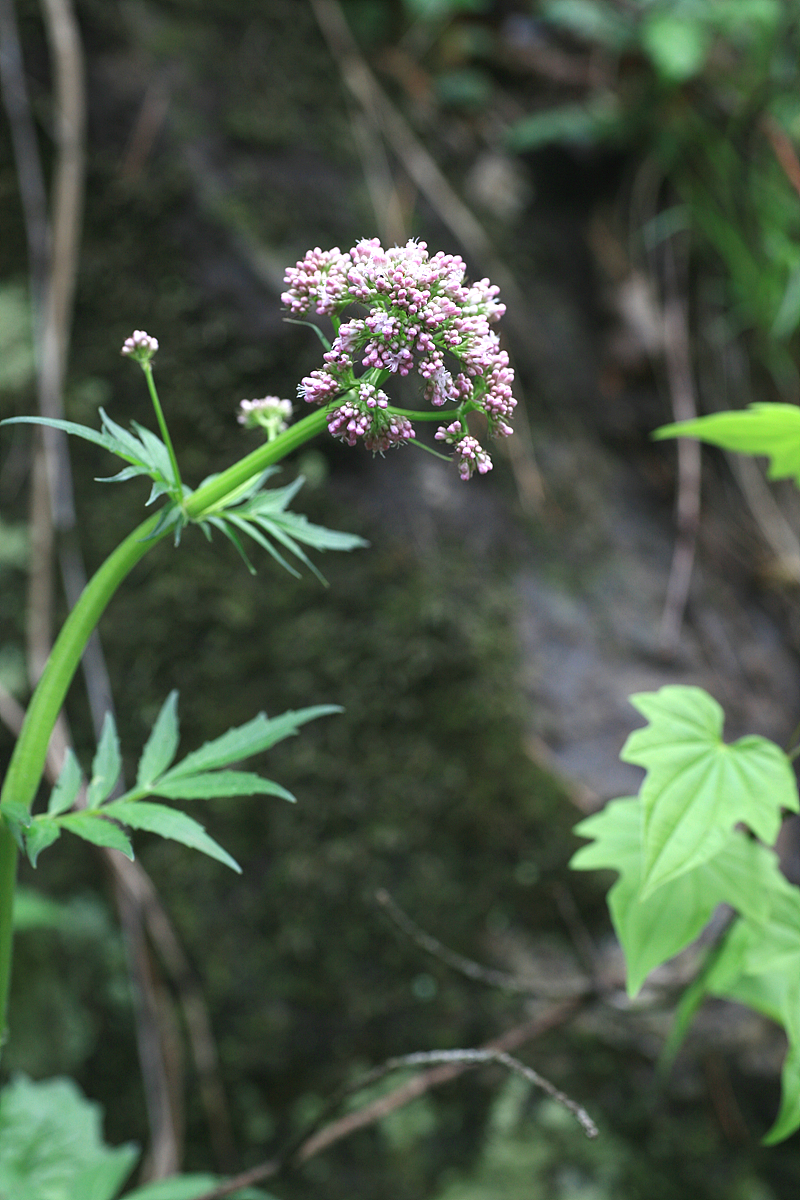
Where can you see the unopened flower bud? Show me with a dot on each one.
(140, 346)
(270, 414)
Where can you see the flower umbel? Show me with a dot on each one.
(421, 317)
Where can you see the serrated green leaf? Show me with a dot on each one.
(132, 472)
(169, 823)
(106, 766)
(83, 431)
(697, 787)
(94, 828)
(42, 833)
(67, 786)
(246, 740)
(162, 744)
(51, 1145)
(217, 784)
(769, 429)
(653, 928)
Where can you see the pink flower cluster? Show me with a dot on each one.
(421, 316)
(366, 416)
(469, 452)
(139, 346)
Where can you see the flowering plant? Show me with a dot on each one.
(412, 313)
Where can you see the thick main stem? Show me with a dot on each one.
(27, 761)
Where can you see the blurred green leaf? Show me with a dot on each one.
(51, 1145)
(677, 46)
(769, 429)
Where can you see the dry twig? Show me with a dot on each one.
(473, 970)
(449, 1066)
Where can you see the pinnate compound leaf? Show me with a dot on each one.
(214, 784)
(246, 740)
(51, 1145)
(697, 787)
(653, 927)
(162, 744)
(42, 833)
(94, 828)
(106, 766)
(169, 823)
(765, 428)
(67, 786)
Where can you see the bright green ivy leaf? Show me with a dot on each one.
(51, 1145)
(42, 833)
(106, 766)
(697, 787)
(216, 784)
(788, 1118)
(769, 429)
(68, 784)
(94, 828)
(653, 928)
(168, 823)
(162, 745)
(750, 974)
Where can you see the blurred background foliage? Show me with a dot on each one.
(587, 137)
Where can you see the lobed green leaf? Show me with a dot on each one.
(697, 788)
(742, 874)
(771, 429)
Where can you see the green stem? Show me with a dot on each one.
(147, 367)
(27, 761)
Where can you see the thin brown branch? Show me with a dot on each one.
(784, 150)
(312, 1143)
(466, 966)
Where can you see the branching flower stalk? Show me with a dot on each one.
(418, 315)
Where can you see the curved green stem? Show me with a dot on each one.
(162, 425)
(27, 761)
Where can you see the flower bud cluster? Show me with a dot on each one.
(270, 414)
(421, 316)
(470, 454)
(365, 414)
(139, 346)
